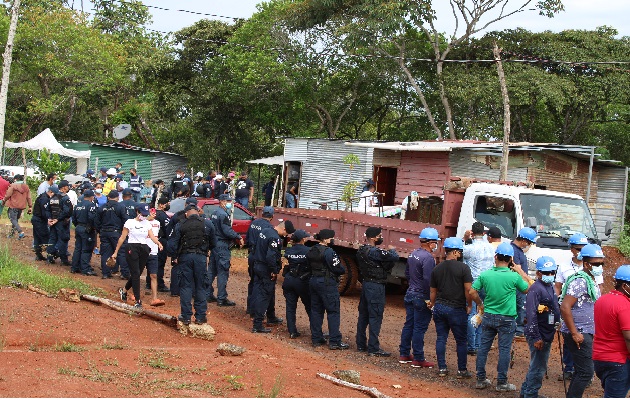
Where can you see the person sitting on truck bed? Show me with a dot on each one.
(420, 264)
(367, 199)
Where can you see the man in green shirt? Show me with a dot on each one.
(499, 313)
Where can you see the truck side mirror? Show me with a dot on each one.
(532, 223)
(608, 228)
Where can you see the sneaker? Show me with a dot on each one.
(164, 289)
(339, 346)
(464, 374)
(90, 273)
(361, 349)
(106, 277)
(261, 330)
(295, 335)
(443, 372)
(123, 294)
(183, 320)
(505, 387)
(138, 305)
(21, 236)
(422, 364)
(405, 359)
(201, 321)
(212, 299)
(320, 342)
(66, 263)
(482, 384)
(567, 376)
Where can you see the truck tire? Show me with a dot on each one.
(348, 281)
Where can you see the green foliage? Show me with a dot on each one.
(350, 188)
(233, 381)
(48, 163)
(67, 347)
(623, 244)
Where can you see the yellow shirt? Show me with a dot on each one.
(110, 184)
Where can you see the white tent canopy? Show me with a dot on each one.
(46, 140)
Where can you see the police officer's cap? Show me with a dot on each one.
(191, 207)
(163, 200)
(90, 172)
(88, 193)
(63, 183)
(225, 196)
(325, 234)
(192, 200)
(267, 211)
(288, 226)
(127, 192)
(299, 235)
(53, 189)
(143, 209)
(113, 194)
(372, 232)
(119, 176)
(104, 169)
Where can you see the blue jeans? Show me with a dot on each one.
(220, 269)
(244, 201)
(567, 359)
(325, 298)
(295, 288)
(450, 319)
(290, 200)
(371, 308)
(520, 312)
(493, 325)
(193, 285)
(582, 362)
(538, 360)
(615, 377)
(416, 324)
(473, 335)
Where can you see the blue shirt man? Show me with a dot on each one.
(524, 239)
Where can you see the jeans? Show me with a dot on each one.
(122, 260)
(262, 292)
(582, 362)
(14, 215)
(325, 298)
(220, 269)
(295, 288)
(615, 377)
(193, 286)
(83, 246)
(567, 359)
(520, 312)
(473, 335)
(244, 201)
(455, 320)
(290, 200)
(538, 360)
(161, 262)
(371, 308)
(416, 324)
(493, 325)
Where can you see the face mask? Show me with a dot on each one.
(99, 190)
(624, 292)
(228, 205)
(178, 176)
(141, 218)
(548, 279)
(526, 248)
(597, 270)
(379, 241)
(434, 249)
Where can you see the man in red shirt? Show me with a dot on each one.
(611, 344)
(4, 185)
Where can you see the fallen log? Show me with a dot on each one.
(122, 307)
(372, 392)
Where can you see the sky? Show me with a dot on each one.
(578, 14)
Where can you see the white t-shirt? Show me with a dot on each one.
(565, 271)
(138, 230)
(155, 227)
(367, 198)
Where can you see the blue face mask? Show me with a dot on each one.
(548, 279)
(597, 270)
(228, 205)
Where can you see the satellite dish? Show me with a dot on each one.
(122, 131)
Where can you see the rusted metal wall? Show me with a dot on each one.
(564, 174)
(466, 163)
(424, 172)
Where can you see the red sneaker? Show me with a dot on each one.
(422, 364)
(405, 359)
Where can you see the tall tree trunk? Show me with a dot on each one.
(6, 71)
(445, 102)
(506, 114)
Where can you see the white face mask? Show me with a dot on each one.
(178, 176)
(526, 248)
(434, 249)
(98, 190)
(141, 217)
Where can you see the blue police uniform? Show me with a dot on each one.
(39, 220)
(83, 219)
(326, 268)
(109, 223)
(175, 270)
(267, 255)
(59, 208)
(135, 184)
(253, 234)
(295, 285)
(190, 248)
(220, 256)
(129, 207)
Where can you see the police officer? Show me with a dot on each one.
(129, 207)
(170, 228)
(267, 263)
(109, 223)
(374, 265)
(180, 183)
(39, 220)
(253, 234)
(326, 267)
(136, 183)
(220, 257)
(84, 234)
(59, 214)
(189, 245)
(296, 276)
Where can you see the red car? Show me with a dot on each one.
(242, 216)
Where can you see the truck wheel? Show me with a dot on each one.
(348, 281)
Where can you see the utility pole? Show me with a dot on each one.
(6, 71)
(506, 114)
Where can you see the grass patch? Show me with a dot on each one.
(155, 359)
(110, 362)
(13, 271)
(67, 347)
(233, 381)
(275, 389)
(113, 346)
(67, 371)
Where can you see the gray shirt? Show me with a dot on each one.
(584, 308)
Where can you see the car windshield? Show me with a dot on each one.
(558, 216)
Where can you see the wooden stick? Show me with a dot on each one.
(372, 392)
(37, 290)
(122, 307)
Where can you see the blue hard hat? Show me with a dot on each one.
(505, 249)
(429, 234)
(90, 172)
(453, 243)
(119, 176)
(578, 239)
(591, 250)
(546, 264)
(527, 234)
(623, 273)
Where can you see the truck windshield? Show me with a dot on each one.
(558, 217)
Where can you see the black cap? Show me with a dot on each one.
(63, 183)
(163, 200)
(267, 212)
(288, 226)
(88, 193)
(478, 228)
(225, 196)
(373, 232)
(299, 235)
(113, 194)
(192, 200)
(127, 192)
(191, 207)
(143, 209)
(494, 232)
(325, 234)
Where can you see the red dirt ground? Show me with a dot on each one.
(127, 356)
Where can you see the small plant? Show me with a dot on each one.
(233, 380)
(113, 346)
(66, 371)
(274, 391)
(350, 188)
(48, 163)
(110, 362)
(155, 359)
(623, 243)
(67, 347)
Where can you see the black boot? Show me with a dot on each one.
(39, 256)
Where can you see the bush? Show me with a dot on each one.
(623, 244)
(48, 163)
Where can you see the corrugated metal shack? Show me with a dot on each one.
(151, 164)
(400, 167)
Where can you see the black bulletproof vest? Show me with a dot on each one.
(193, 238)
(315, 258)
(37, 209)
(55, 206)
(370, 270)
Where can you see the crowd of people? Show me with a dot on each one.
(481, 291)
